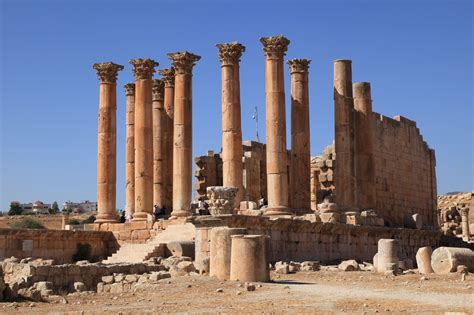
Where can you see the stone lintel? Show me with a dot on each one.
(183, 61)
(107, 71)
(275, 46)
(230, 53)
(143, 68)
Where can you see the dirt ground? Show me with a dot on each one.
(322, 292)
(51, 222)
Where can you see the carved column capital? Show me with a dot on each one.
(143, 68)
(299, 65)
(230, 53)
(183, 62)
(275, 46)
(129, 89)
(107, 71)
(168, 76)
(158, 89)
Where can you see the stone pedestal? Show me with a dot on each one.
(107, 142)
(364, 146)
(423, 260)
(183, 63)
(465, 223)
(168, 78)
(130, 149)
(387, 255)
(159, 158)
(143, 70)
(229, 55)
(300, 162)
(220, 254)
(344, 134)
(221, 199)
(277, 159)
(249, 258)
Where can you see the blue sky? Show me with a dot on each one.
(417, 55)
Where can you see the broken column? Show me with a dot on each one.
(300, 136)
(183, 63)
(423, 260)
(447, 259)
(465, 223)
(220, 251)
(107, 142)
(344, 134)
(364, 146)
(229, 55)
(159, 160)
(275, 48)
(130, 149)
(143, 70)
(168, 78)
(387, 255)
(249, 258)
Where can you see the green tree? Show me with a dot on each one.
(55, 208)
(15, 209)
(28, 223)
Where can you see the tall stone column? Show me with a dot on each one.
(143, 70)
(159, 159)
(183, 63)
(300, 163)
(465, 223)
(107, 142)
(232, 151)
(344, 176)
(130, 149)
(277, 158)
(168, 78)
(364, 146)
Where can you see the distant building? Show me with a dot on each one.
(80, 207)
(37, 207)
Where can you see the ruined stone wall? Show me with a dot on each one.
(208, 172)
(322, 175)
(300, 240)
(404, 170)
(59, 245)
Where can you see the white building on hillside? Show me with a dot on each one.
(80, 207)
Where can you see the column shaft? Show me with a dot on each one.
(159, 156)
(300, 136)
(130, 149)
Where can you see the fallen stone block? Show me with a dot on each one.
(310, 266)
(423, 260)
(348, 265)
(181, 248)
(446, 259)
(79, 287)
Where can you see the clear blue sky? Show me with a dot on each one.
(417, 54)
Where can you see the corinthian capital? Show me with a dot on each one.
(183, 61)
(158, 89)
(230, 53)
(275, 46)
(299, 65)
(107, 71)
(168, 76)
(143, 68)
(129, 89)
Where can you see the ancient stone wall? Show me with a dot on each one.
(208, 173)
(59, 245)
(300, 240)
(404, 171)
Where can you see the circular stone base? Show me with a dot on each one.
(278, 211)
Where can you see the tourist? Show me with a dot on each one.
(122, 217)
(262, 203)
(202, 207)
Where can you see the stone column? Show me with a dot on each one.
(300, 174)
(344, 134)
(387, 255)
(232, 151)
(143, 69)
(277, 158)
(130, 149)
(107, 142)
(183, 63)
(168, 78)
(465, 223)
(249, 258)
(220, 251)
(159, 159)
(364, 146)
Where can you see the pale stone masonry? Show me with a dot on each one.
(168, 78)
(275, 48)
(159, 157)
(229, 55)
(107, 142)
(143, 70)
(183, 63)
(130, 149)
(300, 158)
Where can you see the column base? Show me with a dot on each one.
(180, 214)
(140, 216)
(278, 211)
(106, 219)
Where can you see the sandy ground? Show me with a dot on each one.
(51, 222)
(322, 292)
